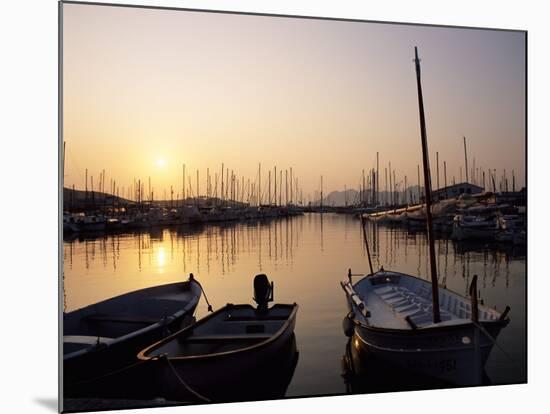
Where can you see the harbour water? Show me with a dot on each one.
(306, 257)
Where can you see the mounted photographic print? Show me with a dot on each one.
(259, 207)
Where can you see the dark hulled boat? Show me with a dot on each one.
(104, 337)
(237, 344)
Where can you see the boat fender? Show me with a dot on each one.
(348, 324)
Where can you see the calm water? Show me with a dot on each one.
(306, 257)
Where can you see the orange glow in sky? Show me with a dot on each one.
(146, 91)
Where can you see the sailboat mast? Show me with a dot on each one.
(428, 192)
(275, 182)
(377, 181)
(465, 158)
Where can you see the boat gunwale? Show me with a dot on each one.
(151, 288)
(292, 316)
(428, 329)
(190, 306)
(417, 350)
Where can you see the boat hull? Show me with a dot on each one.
(453, 351)
(455, 355)
(84, 369)
(229, 376)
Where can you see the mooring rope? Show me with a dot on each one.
(181, 381)
(203, 292)
(495, 343)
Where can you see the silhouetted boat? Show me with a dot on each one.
(233, 345)
(466, 227)
(90, 223)
(106, 336)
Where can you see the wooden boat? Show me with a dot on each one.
(106, 336)
(235, 344)
(415, 324)
(391, 314)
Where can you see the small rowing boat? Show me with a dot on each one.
(237, 344)
(391, 316)
(106, 336)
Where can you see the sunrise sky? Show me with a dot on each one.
(145, 91)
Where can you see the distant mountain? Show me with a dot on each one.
(341, 198)
(79, 199)
(75, 199)
(352, 197)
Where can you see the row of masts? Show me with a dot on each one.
(281, 188)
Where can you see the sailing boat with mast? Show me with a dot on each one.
(415, 324)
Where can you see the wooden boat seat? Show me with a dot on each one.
(255, 318)
(86, 340)
(411, 305)
(103, 317)
(223, 337)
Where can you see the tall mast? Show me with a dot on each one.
(437, 167)
(386, 186)
(286, 187)
(394, 194)
(406, 201)
(86, 187)
(363, 190)
(321, 194)
(291, 192)
(428, 191)
(207, 182)
(465, 159)
(183, 182)
(280, 187)
(377, 181)
(391, 187)
(275, 182)
(445, 176)
(222, 193)
(259, 184)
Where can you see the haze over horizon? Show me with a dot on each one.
(145, 91)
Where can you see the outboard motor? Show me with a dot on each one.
(263, 292)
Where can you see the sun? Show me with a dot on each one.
(161, 163)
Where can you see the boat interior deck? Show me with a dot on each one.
(124, 315)
(233, 328)
(393, 298)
